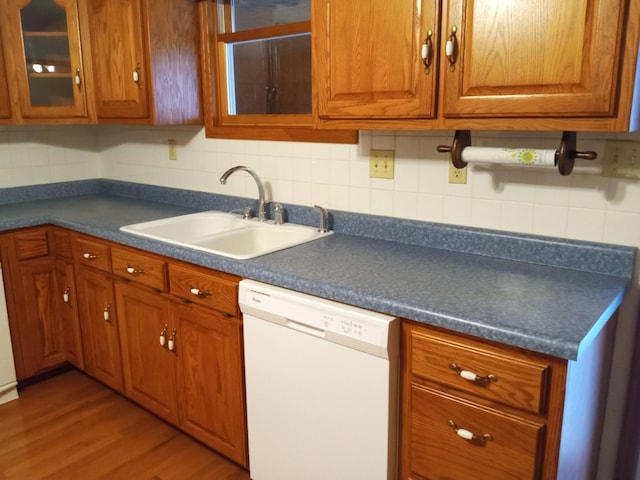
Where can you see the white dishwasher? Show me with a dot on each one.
(8, 383)
(322, 387)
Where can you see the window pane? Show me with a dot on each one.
(270, 76)
(249, 14)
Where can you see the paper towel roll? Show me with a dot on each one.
(512, 156)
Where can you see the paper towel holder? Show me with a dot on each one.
(566, 154)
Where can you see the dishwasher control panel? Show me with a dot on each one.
(324, 318)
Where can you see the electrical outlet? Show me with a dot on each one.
(621, 159)
(381, 163)
(457, 175)
(173, 149)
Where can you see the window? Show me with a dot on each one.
(257, 61)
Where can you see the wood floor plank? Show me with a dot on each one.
(72, 427)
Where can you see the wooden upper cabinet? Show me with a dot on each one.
(44, 61)
(146, 62)
(5, 106)
(526, 65)
(533, 58)
(368, 58)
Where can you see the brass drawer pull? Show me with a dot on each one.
(89, 256)
(199, 293)
(470, 436)
(472, 377)
(134, 271)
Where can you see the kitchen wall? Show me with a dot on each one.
(584, 205)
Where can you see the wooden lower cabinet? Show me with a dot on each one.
(211, 379)
(99, 323)
(31, 287)
(181, 352)
(68, 311)
(148, 367)
(506, 446)
(474, 408)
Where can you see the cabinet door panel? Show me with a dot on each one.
(367, 58)
(40, 326)
(44, 57)
(100, 335)
(211, 385)
(68, 311)
(148, 367)
(540, 57)
(118, 55)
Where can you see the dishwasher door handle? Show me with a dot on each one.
(301, 327)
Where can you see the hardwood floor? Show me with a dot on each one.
(72, 427)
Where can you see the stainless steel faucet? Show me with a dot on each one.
(324, 219)
(262, 216)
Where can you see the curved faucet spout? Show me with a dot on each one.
(262, 216)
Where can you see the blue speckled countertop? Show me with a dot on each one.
(543, 294)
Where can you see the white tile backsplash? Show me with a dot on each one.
(583, 205)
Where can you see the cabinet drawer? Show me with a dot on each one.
(140, 267)
(519, 380)
(93, 253)
(31, 244)
(438, 451)
(205, 287)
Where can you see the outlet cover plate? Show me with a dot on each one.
(457, 175)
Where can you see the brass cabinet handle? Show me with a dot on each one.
(134, 271)
(106, 313)
(451, 48)
(200, 293)
(171, 343)
(78, 79)
(472, 377)
(136, 76)
(163, 336)
(470, 436)
(89, 256)
(65, 294)
(426, 53)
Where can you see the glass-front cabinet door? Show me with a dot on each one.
(45, 57)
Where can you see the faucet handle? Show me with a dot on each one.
(324, 219)
(278, 214)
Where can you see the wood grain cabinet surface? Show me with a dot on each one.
(477, 64)
(145, 59)
(474, 408)
(48, 77)
(5, 106)
(33, 300)
(175, 335)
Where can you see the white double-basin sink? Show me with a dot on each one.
(225, 234)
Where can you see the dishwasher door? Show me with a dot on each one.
(318, 408)
(8, 383)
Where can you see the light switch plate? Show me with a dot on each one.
(621, 159)
(381, 163)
